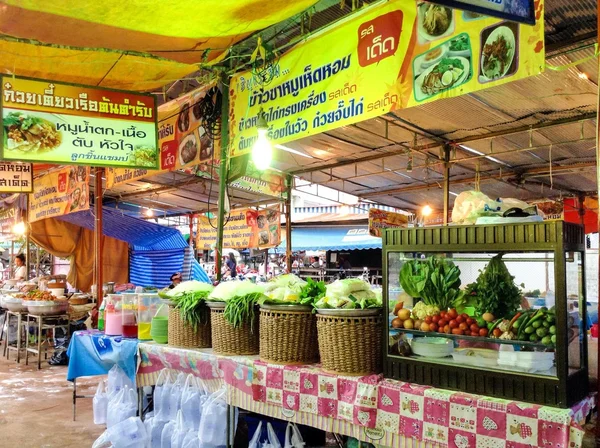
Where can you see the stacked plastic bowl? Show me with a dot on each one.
(159, 331)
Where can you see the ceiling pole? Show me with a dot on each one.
(288, 223)
(598, 227)
(98, 233)
(446, 182)
(224, 88)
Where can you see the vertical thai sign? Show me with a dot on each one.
(48, 121)
(10, 213)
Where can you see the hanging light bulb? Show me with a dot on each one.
(426, 210)
(262, 151)
(19, 228)
(149, 213)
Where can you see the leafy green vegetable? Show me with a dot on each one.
(495, 291)
(448, 64)
(191, 307)
(461, 43)
(20, 120)
(312, 292)
(241, 309)
(435, 280)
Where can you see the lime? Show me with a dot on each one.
(529, 330)
(553, 339)
(541, 332)
(537, 324)
(547, 340)
(550, 318)
(552, 329)
(516, 324)
(546, 324)
(534, 338)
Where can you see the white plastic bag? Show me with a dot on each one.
(121, 406)
(470, 205)
(128, 433)
(175, 396)
(100, 404)
(190, 404)
(117, 380)
(191, 440)
(293, 438)
(162, 394)
(213, 425)
(179, 432)
(165, 437)
(258, 442)
(154, 429)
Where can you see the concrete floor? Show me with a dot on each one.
(36, 409)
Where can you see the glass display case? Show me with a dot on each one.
(496, 310)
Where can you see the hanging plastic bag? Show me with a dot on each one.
(117, 380)
(175, 396)
(258, 441)
(100, 404)
(293, 438)
(191, 440)
(162, 394)
(213, 424)
(179, 432)
(190, 404)
(121, 406)
(154, 429)
(128, 433)
(167, 433)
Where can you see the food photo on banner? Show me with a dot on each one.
(53, 122)
(244, 229)
(60, 191)
(418, 52)
(183, 140)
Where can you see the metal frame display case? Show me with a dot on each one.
(556, 238)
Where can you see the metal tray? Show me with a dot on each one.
(216, 305)
(291, 307)
(349, 313)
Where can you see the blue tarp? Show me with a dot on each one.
(337, 238)
(156, 253)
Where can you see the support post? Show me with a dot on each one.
(98, 233)
(598, 188)
(288, 223)
(27, 237)
(224, 88)
(447, 150)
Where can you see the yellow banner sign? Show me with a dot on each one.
(59, 192)
(182, 139)
(245, 229)
(392, 55)
(382, 219)
(47, 121)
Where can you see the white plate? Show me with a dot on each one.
(510, 39)
(192, 138)
(424, 35)
(425, 64)
(420, 96)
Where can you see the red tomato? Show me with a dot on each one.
(453, 324)
(465, 316)
(452, 314)
(428, 320)
(463, 326)
(447, 329)
(470, 321)
(457, 331)
(474, 327)
(474, 333)
(497, 332)
(433, 326)
(483, 332)
(443, 314)
(442, 322)
(435, 319)
(460, 319)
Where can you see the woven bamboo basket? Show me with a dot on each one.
(288, 335)
(182, 335)
(350, 343)
(228, 340)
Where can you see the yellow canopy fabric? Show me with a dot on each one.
(83, 42)
(65, 240)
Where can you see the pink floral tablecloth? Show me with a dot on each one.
(430, 416)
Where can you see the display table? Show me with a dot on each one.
(384, 412)
(92, 353)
